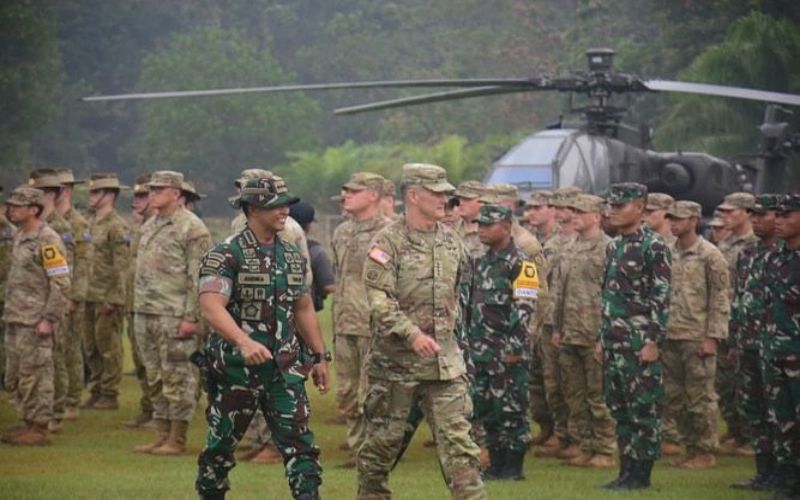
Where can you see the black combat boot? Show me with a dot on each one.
(765, 469)
(497, 463)
(513, 466)
(309, 495)
(638, 477)
(787, 485)
(624, 473)
(211, 495)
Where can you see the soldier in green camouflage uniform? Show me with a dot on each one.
(167, 316)
(254, 294)
(413, 277)
(698, 323)
(635, 308)
(781, 349)
(7, 231)
(34, 306)
(505, 286)
(576, 317)
(747, 325)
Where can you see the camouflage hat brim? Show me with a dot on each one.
(354, 186)
(283, 199)
(466, 194)
(439, 187)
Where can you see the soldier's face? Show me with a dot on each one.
(19, 214)
(680, 227)
(491, 234)
(763, 223)
(539, 215)
(160, 197)
(430, 204)
(563, 215)
(358, 201)
(733, 219)
(468, 208)
(140, 203)
(787, 225)
(585, 221)
(627, 215)
(719, 233)
(273, 219)
(655, 218)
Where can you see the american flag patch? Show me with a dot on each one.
(379, 256)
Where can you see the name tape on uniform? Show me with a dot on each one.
(53, 261)
(526, 284)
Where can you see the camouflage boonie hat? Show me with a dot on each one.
(26, 196)
(66, 177)
(683, 209)
(586, 203)
(789, 203)
(490, 214)
(250, 174)
(140, 187)
(270, 192)
(166, 179)
(766, 202)
(659, 201)
(735, 201)
(389, 190)
(431, 177)
(561, 196)
(540, 199)
(470, 190)
(43, 178)
(625, 192)
(105, 181)
(360, 181)
(190, 191)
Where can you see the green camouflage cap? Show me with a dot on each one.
(659, 201)
(389, 191)
(42, 178)
(140, 186)
(25, 196)
(431, 177)
(270, 192)
(490, 214)
(623, 193)
(360, 181)
(765, 202)
(562, 196)
(66, 177)
(166, 179)
(250, 174)
(683, 209)
(790, 203)
(586, 203)
(734, 201)
(540, 198)
(106, 180)
(470, 190)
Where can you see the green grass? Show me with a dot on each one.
(93, 459)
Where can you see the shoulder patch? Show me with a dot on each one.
(379, 256)
(53, 261)
(526, 284)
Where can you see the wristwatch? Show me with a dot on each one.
(319, 356)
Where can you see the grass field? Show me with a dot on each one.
(93, 459)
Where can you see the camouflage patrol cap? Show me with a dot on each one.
(586, 203)
(540, 198)
(166, 179)
(790, 203)
(506, 192)
(389, 190)
(659, 201)
(43, 178)
(716, 220)
(470, 190)
(683, 209)
(26, 196)
(360, 181)
(140, 186)
(190, 191)
(623, 193)
(561, 196)
(105, 181)
(490, 214)
(66, 177)
(765, 202)
(269, 192)
(431, 177)
(489, 195)
(250, 174)
(735, 201)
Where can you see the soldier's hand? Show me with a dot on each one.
(598, 352)
(425, 346)
(649, 353)
(44, 328)
(733, 356)
(555, 340)
(186, 329)
(708, 347)
(319, 374)
(255, 353)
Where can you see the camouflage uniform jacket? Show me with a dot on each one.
(263, 283)
(731, 247)
(110, 253)
(413, 282)
(136, 234)
(7, 231)
(81, 264)
(636, 291)
(501, 307)
(469, 235)
(350, 245)
(749, 308)
(783, 302)
(699, 304)
(167, 260)
(577, 289)
(38, 278)
(64, 230)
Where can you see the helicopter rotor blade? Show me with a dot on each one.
(429, 98)
(464, 82)
(723, 91)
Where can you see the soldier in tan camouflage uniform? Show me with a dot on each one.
(388, 199)
(577, 288)
(718, 231)
(469, 194)
(75, 321)
(698, 323)
(105, 292)
(48, 182)
(165, 305)
(655, 215)
(350, 245)
(412, 276)
(7, 231)
(734, 211)
(34, 306)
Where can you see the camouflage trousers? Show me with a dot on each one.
(782, 381)
(753, 398)
(447, 407)
(2, 350)
(230, 409)
(351, 352)
(583, 390)
(73, 354)
(540, 412)
(145, 403)
(725, 385)
(29, 373)
(634, 394)
(102, 346)
(554, 390)
(60, 375)
(500, 398)
(690, 409)
(172, 380)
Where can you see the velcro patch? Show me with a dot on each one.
(53, 261)
(379, 256)
(526, 285)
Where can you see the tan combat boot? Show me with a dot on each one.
(14, 430)
(89, 403)
(106, 403)
(551, 448)
(581, 460)
(176, 441)
(36, 435)
(162, 428)
(545, 433)
(700, 461)
(71, 413)
(568, 453)
(138, 421)
(267, 455)
(601, 462)
(668, 448)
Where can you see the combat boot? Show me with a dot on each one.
(308, 495)
(765, 468)
(551, 450)
(786, 483)
(55, 427)
(625, 463)
(35, 435)
(71, 413)
(106, 403)
(639, 478)
(176, 441)
(580, 461)
(568, 453)
(89, 403)
(211, 495)
(545, 431)
(268, 455)
(163, 429)
(600, 461)
(497, 463)
(669, 448)
(700, 461)
(14, 430)
(513, 466)
(138, 421)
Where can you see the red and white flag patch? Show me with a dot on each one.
(379, 256)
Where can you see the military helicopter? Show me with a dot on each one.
(591, 154)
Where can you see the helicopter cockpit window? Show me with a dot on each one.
(539, 149)
(585, 165)
(524, 177)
